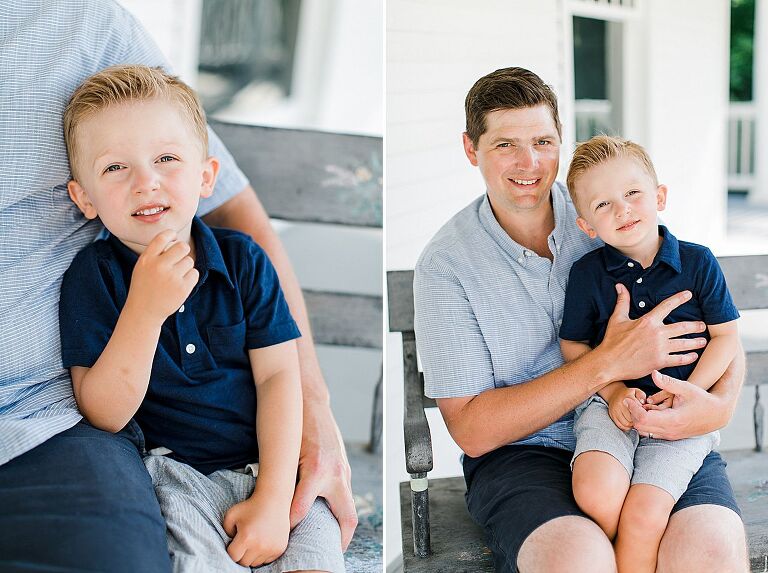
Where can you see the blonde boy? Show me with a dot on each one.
(629, 483)
(184, 329)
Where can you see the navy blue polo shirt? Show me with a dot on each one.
(201, 401)
(590, 297)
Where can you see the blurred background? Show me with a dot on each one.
(306, 64)
(688, 80)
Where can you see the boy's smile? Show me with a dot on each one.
(618, 202)
(141, 170)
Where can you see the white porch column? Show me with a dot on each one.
(759, 195)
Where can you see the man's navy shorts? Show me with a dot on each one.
(515, 489)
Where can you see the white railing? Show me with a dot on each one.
(741, 146)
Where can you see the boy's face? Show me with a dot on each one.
(518, 156)
(141, 171)
(618, 202)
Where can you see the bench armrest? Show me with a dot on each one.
(418, 440)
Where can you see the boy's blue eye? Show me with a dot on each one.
(167, 158)
(601, 204)
(112, 168)
(632, 192)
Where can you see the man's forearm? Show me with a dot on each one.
(504, 415)
(245, 213)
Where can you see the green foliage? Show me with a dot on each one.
(742, 40)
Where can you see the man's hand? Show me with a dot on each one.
(259, 528)
(632, 348)
(163, 277)
(324, 471)
(618, 409)
(691, 404)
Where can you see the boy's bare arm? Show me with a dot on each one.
(259, 526)
(718, 354)
(109, 393)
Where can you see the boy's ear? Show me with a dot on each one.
(80, 198)
(661, 197)
(469, 149)
(586, 227)
(210, 171)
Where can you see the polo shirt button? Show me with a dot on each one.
(190, 348)
(630, 264)
(638, 281)
(641, 304)
(181, 308)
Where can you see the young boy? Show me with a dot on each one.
(185, 329)
(629, 483)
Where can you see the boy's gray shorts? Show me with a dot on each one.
(193, 506)
(669, 465)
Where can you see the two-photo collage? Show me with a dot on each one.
(294, 286)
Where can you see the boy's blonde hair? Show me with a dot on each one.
(129, 83)
(602, 148)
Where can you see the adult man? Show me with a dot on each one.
(489, 291)
(72, 497)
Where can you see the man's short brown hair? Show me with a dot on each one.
(507, 88)
(602, 148)
(129, 83)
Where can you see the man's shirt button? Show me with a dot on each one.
(190, 348)
(520, 260)
(641, 304)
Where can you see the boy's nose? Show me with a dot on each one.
(145, 181)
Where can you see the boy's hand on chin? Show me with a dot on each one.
(259, 528)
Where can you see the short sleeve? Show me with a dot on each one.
(713, 295)
(453, 352)
(88, 312)
(579, 310)
(268, 319)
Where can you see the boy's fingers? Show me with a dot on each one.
(229, 524)
(236, 549)
(157, 245)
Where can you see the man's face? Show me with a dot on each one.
(141, 170)
(518, 156)
(618, 201)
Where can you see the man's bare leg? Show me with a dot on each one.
(704, 538)
(569, 543)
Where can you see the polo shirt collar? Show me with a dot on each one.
(669, 253)
(208, 255)
(513, 248)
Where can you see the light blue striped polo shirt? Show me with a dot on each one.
(488, 310)
(47, 48)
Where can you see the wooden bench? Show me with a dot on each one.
(329, 179)
(437, 531)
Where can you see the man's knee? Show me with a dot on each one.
(567, 543)
(704, 538)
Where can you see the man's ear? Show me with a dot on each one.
(210, 171)
(586, 227)
(469, 149)
(80, 198)
(661, 197)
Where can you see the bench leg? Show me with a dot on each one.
(758, 420)
(420, 515)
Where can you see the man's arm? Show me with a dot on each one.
(323, 466)
(482, 423)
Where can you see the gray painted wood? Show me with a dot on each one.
(747, 279)
(345, 319)
(457, 543)
(400, 300)
(310, 176)
(418, 440)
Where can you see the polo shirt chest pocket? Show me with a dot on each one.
(227, 345)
